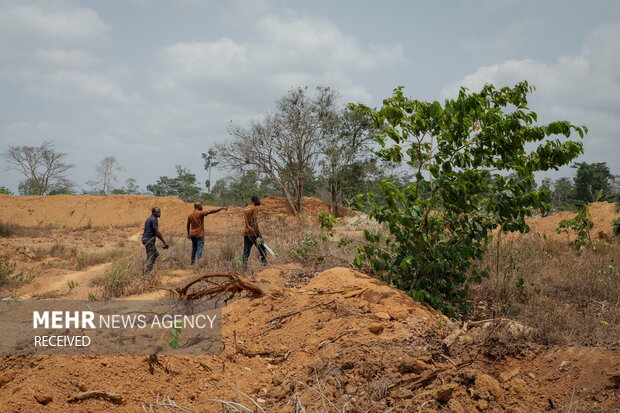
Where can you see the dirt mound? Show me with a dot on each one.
(342, 342)
(603, 213)
(79, 211)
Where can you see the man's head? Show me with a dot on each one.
(156, 212)
(198, 206)
(255, 200)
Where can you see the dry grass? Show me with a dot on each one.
(307, 246)
(569, 297)
(11, 229)
(48, 295)
(122, 277)
(86, 259)
(177, 256)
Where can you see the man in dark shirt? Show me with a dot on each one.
(196, 228)
(251, 233)
(149, 236)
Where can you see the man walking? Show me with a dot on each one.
(251, 234)
(149, 236)
(196, 229)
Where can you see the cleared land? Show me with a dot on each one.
(323, 337)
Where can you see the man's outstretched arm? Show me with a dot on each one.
(213, 211)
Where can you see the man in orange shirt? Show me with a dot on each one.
(251, 234)
(196, 229)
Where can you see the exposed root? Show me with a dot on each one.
(233, 284)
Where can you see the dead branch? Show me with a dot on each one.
(281, 317)
(334, 339)
(418, 381)
(113, 397)
(234, 284)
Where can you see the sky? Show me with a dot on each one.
(155, 83)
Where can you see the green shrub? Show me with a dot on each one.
(581, 225)
(6, 270)
(473, 174)
(616, 227)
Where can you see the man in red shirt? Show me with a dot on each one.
(251, 234)
(196, 229)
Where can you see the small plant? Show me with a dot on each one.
(6, 274)
(581, 225)
(616, 226)
(92, 297)
(520, 287)
(308, 243)
(327, 221)
(6, 270)
(30, 211)
(175, 333)
(71, 284)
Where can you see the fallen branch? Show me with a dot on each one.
(113, 397)
(281, 317)
(234, 284)
(331, 340)
(416, 382)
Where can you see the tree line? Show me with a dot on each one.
(307, 146)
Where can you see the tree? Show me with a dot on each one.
(591, 178)
(130, 187)
(463, 153)
(562, 191)
(545, 188)
(344, 148)
(41, 166)
(183, 185)
(210, 162)
(286, 145)
(4, 190)
(238, 190)
(106, 173)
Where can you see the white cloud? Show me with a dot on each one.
(63, 84)
(67, 58)
(286, 53)
(584, 88)
(30, 23)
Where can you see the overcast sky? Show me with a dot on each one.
(156, 82)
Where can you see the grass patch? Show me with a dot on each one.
(120, 277)
(11, 229)
(177, 256)
(7, 229)
(87, 259)
(48, 295)
(568, 297)
(8, 278)
(63, 252)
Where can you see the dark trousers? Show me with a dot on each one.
(198, 244)
(247, 246)
(151, 256)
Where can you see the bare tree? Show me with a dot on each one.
(346, 144)
(42, 166)
(106, 173)
(285, 145)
